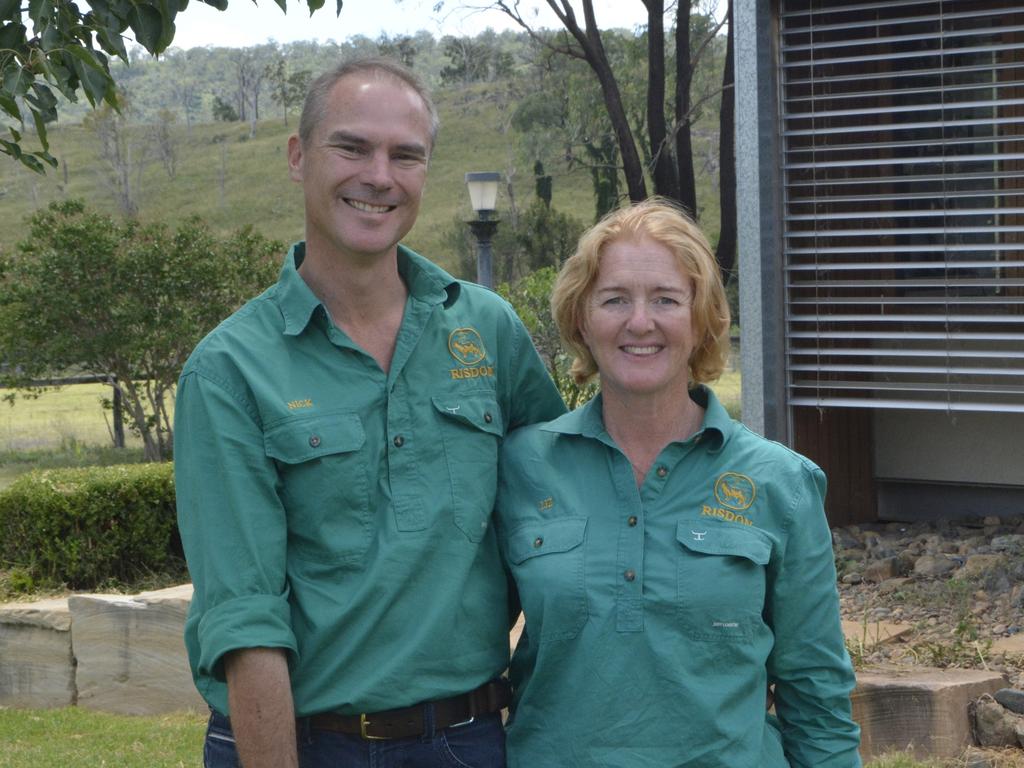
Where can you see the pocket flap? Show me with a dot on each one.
(717, 539)
(546, 537)
(474, 410)
(310, 437)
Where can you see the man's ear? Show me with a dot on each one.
(295, 157)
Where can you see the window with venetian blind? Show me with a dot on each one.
(902, 130)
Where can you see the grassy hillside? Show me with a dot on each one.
(233, 181)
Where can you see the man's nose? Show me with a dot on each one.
(377, 171)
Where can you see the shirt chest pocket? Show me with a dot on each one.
(324, 485)
(471, 429)
(721, 579)
(547, 562)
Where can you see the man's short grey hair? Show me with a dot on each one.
(314, 108)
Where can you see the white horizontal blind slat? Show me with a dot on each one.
(902, 126)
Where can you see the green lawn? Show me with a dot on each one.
(78, 738)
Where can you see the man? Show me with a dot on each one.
(336, 455)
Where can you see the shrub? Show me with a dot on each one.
(84, 527)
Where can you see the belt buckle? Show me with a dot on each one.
(363, 722)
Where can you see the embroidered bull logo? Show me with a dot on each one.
(735, 491)
(466, 346)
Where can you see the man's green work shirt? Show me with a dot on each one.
(342, 513)
(656, 617)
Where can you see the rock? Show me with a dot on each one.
(1010, 543)
(978, 565)
(934, 565)
(37, 669)
(1011, 698)
(891, 585)
(992, 521)
(977, 760)
(993, 725)
(844, 538)
(881, 570)
(131, 656)
(852, 578)
(1014, 644)
(918, 708)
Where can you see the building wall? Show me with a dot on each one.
(932, 446)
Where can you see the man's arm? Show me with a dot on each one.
(262, 714)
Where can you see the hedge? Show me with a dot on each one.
(84, 527)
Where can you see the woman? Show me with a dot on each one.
(671, 564)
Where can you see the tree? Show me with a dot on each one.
(402, 48)
(223, 112)
(669, 114)
(123, 157)
(287, 88)
(531, 298)
(88, 293)
(69, 51)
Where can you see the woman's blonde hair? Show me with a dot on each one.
(665, 223)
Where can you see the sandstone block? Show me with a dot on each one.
(130, 652)
(872, 633)
(918, 708)
(37, 668)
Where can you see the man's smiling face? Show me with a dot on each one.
(364, 167)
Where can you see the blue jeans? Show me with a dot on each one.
(477, 744)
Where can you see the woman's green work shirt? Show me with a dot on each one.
(657, 617)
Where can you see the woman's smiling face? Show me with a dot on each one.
(638, 323)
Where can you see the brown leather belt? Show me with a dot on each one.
(411, 721)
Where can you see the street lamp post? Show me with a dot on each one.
(483, 195)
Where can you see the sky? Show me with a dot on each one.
(244, 23)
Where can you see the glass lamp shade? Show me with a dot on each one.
(483, 190)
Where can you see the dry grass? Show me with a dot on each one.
(57, 418)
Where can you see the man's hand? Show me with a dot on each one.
(262, 713)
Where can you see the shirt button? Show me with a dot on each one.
(662, 471)
(399, 441)
(314, 441)
(631, 521)
(488, 418)
(630, 575)
(538, 542)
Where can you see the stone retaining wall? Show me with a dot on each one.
(114, 653)
(125, 654)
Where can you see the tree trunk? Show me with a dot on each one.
(663, 168)
(727, 242)
(684, 144)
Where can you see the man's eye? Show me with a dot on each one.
(408, 159)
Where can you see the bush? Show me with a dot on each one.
(84, 527)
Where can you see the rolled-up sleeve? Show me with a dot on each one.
(809, 664)
(233, 526)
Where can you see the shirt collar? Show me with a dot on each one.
(425, 281)
(587, 420)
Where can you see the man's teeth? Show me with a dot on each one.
(641, 350)
(368, 208)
